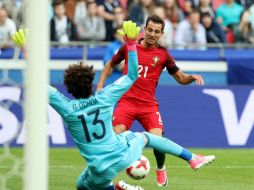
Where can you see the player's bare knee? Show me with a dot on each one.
(119, 129)
(156, 131)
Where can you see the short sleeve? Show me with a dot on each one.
(119, 56)
(171, 65)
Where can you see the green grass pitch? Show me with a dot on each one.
(233, 169)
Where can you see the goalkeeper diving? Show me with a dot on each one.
(89, 120)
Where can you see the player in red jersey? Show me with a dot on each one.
(140, 103)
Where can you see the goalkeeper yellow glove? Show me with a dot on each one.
(130, 30)
(19, 38)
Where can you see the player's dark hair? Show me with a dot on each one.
(78, 79)
(156, 19)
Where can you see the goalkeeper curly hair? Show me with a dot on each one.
(78, 79)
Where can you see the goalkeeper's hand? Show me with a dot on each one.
(130, 31)
(19, 38)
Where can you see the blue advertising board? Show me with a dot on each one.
(192, 116)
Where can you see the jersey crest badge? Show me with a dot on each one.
(155, 61)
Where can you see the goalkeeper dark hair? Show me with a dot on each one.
(78, 79)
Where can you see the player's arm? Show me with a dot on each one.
(179, 75)
(19, 39)
(106, 72)
(130, 33)
(132, 60)
(184, 78)
(109, 67)
(58, 101)
(114, 91)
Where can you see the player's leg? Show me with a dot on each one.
(119, 128)
(170, 147)
(162, 178)
(132, 152)
(82, 180)
(151, 120)
(123, 116)
(90, 181)
(160, 157)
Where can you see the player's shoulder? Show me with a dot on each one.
(163, 52)
(162, 48)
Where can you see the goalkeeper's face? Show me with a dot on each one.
(78, 79)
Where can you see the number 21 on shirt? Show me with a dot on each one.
(143, 69)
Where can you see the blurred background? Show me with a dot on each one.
(214, 38)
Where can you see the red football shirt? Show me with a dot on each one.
(151, 62)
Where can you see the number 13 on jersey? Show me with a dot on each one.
(96, 120)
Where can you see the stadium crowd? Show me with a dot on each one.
(187, 21)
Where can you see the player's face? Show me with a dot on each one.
(153, 32)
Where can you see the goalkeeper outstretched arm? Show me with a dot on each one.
(19, 39)
(130, 33)
(56, 99)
